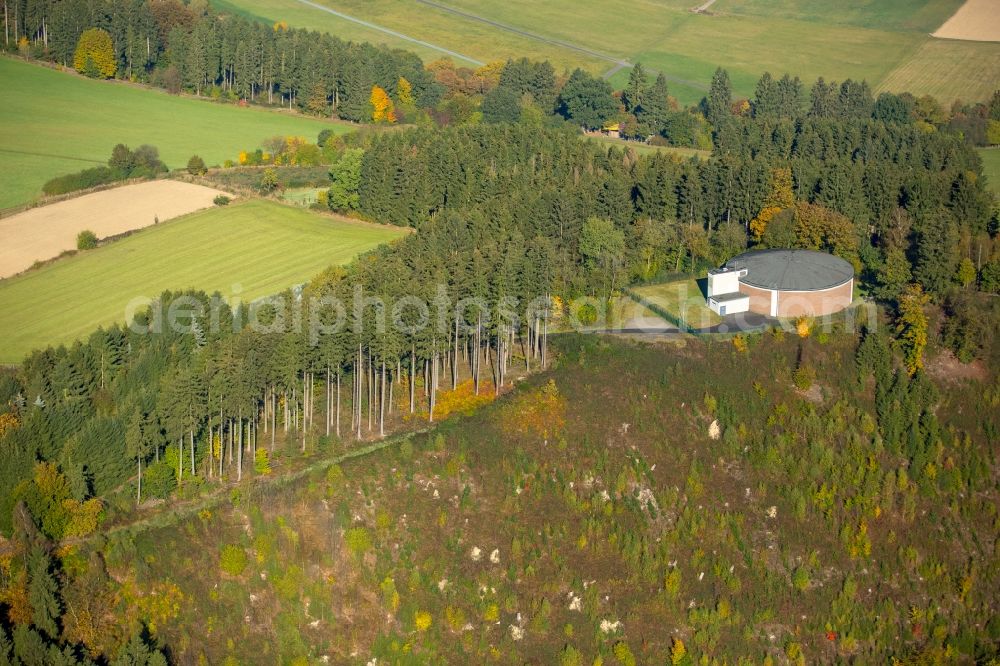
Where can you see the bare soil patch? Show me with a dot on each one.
(945, 366)
(976, 21)
(42, 233)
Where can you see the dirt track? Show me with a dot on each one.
(976, 20)
(45, 232)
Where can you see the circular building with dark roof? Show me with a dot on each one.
(793, 283)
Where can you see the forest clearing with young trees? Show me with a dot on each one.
(181, 488)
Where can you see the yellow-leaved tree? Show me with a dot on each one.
(95, 54)
(383, 110)
(911, 326)
(540, 413)
(758, 225)
(779, 198)
(404, 91)
(8, 421)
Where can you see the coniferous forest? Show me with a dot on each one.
(411, 459)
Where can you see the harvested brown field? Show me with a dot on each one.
(42, 233)
(976, 20)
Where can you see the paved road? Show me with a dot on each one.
(747, 322)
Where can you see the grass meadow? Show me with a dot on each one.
(991, 168)
(886, 43)
(683, 299)
(52, 123)
(262, 246)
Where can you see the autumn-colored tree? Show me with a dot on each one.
(678, 653)
(318, 101)
(15, 596)
(779, 198)
(539, 413)
(95, 54)
(911, 326)
(383, 110)
(404, 91)
(781, 194)
(83, 516)
(803, 326)
(48, 498)
(819, 228)
(758, 225)
(269, 181)
(8, 421)
(993, 132)
(489, 75)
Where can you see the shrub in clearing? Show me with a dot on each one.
(800, 579)
(233, 560)
(455, 617)
(623, 653)
(422, 620)
(358, 540)
(86, 240)
(158, 480)
(587, 314)
(335, 478)
(261, 462)
(222, 200)
(269, 181)
(804, 377)
(196, 166)
(570, 656)
(390, 596)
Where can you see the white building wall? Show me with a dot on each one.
(723, 283)
(733, 306)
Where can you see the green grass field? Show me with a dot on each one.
(683, 299)
(887, 43)
(261, 246)
(52, 123)
(991, 168)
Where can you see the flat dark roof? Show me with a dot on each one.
(723, 298)
(792, 270)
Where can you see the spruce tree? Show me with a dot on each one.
(43, 593)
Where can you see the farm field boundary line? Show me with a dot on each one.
(619, 63)
(388, 31)
(62, 157)
(974, 21)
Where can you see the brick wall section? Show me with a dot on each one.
(760, 299)
(798, 303)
